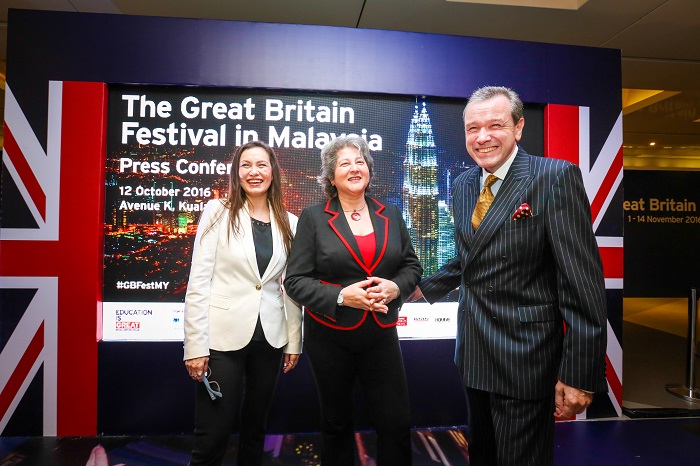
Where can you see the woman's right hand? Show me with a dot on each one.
(197, 367)
(356, 296)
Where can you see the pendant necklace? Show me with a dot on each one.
(355, 215)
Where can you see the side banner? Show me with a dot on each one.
(50, 270)
(567, 136)
(662, 223)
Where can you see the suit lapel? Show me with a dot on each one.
(517, 179)
(380, 223)
(471, 194)
(341, 228)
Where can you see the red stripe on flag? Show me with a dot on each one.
(21, 372)
(613, 380)
(25, 172)
(613, 261)
(607, 185)
(561, 138)
(83, 146)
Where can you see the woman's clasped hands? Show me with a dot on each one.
(373, 294)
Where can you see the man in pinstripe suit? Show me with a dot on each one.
(531, 335)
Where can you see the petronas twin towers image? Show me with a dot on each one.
(429, 219)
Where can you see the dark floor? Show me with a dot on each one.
(601, 443)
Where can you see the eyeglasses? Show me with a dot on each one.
(210, 386)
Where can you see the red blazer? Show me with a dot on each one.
(325, 257)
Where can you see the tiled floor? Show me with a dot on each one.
(655, 353)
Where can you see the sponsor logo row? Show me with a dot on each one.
(405, 320)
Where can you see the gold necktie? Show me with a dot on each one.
(484, 201)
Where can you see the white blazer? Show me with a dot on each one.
(225, 293)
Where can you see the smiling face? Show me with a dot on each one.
(490, 132)
(351, 174)
(255, 172)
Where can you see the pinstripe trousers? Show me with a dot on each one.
(506, 431)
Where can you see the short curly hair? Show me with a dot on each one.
(329, 159)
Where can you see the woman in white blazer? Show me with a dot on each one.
(238, 321)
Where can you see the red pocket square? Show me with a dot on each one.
(523, 211)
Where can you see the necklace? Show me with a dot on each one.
(355, 215)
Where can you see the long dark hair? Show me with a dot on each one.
(237, 197)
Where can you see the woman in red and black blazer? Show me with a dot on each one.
(352, 266)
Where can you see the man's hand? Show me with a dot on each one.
(416, 295)
(570, 400)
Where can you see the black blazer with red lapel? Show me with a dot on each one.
(519, 279)
(325, 257)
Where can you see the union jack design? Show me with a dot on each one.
(31, 347)
(567, 136)
(33, 171)
(52, 261)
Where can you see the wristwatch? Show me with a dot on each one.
(340, 298)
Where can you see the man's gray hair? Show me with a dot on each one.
(489, 92)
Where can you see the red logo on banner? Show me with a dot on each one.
(128, 326)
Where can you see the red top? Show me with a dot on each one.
(368, 246)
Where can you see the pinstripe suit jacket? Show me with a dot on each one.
(519, 279)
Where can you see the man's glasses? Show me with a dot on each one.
(212, 386)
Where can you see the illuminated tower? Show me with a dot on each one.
(452, 173)
(420, 190)
(446, 236)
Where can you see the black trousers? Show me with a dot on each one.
(371, 354)
(247, 380)
(510, 432)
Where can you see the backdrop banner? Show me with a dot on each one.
(662, 233)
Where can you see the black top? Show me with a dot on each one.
(262, 237)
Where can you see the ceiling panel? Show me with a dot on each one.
(671, 31)
(593, 24)
(330, 13)
(672, 116)
(57, 5)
